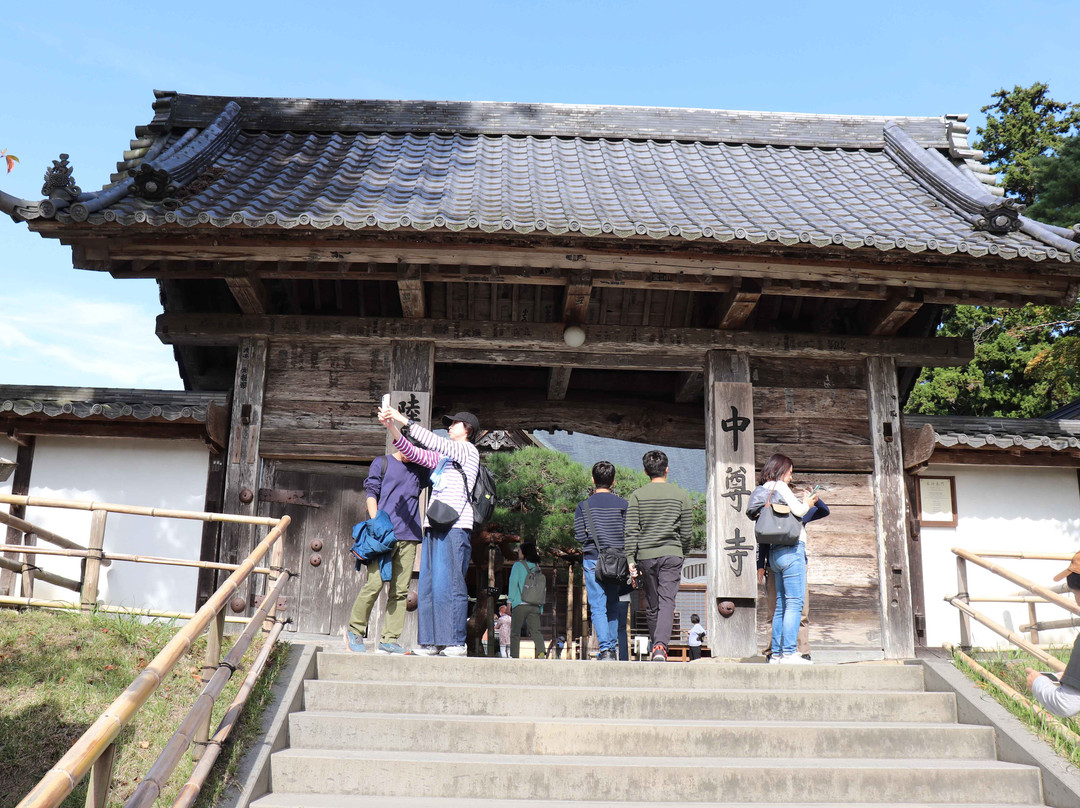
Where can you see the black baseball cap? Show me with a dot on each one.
(466, 418)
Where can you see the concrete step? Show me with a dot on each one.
(886, 676)
(688, 779)
(380, 801)
(638, 703)
(666, 738)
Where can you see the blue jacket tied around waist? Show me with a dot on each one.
(373, 541)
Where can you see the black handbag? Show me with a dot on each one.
(776, 524)
(441, 516)
(611, 565)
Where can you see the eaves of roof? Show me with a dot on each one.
(816, 180)
(960, 432)
(107, 403)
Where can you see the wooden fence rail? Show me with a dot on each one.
(94, 751)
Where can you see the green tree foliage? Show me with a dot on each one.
(1025, 364)
(1057, 185)
(539, 489)
(1022, 125)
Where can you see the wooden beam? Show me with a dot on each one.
(989, 456)
(411, 380)
(578, 292)
(729, 478)
(411, 289)
(918, 445)
(662, 343)
(691, 387)
(558, 383)
(249, 291)
(890, 510)
(738, 304)
(892, 314)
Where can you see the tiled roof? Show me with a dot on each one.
(1069, 411)
(108, 403)
(1001, 433)
(905, 183)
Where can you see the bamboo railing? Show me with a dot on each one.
(94, 752)
(1038, 594)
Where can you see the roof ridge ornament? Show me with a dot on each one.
(59, 182)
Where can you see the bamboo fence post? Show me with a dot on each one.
(1068, 604)
(60, 780)
(277, 567)
(45, 535)
(97, 794)
(211, 661)
(962, 594)
(1034, 624)
(28, 567)
(92, 569)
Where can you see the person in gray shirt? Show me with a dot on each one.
(1064, 699)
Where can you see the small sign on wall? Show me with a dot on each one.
(937, 501)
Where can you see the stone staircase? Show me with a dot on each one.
(413, 731)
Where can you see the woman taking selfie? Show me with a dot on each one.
(787, 562)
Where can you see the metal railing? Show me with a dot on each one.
(95, 751)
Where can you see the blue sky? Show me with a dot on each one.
(80, 76)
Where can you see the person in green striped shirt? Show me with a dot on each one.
(658, 531)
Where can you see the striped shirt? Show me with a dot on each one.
(608, 518)
(448, 487)
(659, 522)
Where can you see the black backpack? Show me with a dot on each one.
(482, 496)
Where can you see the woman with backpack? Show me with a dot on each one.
(527, 594)
(442, 596)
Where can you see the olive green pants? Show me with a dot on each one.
(403, 556)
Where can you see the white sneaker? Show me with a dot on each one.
(775, 660)
(424, 650)
(795, 660)
(454, 650)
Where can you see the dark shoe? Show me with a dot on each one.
(659, 653)
(806, 657)
(607, 655)
(389, 648)
(354, 642)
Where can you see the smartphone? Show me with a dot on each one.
(386, 401)
(816, 488)
(1053, 677)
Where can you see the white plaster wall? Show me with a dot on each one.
(153, 473)
(1003, 509)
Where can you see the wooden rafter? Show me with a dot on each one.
(411, 289)
(249, 291)
(691, 387)
(738, 304)
(558, 382)
(894, 312)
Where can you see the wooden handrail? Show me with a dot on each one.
(976, 558)
(59, 781)
(1011, 636)
(172, 562)
(40, 532)
(74, 606)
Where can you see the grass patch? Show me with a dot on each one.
(1009, 666)
(60, 670)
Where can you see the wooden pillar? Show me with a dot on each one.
(242, 464)
(20, 486)
(890, 509)
(211, 531)
(729, 478)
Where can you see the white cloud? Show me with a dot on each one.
(60, 340)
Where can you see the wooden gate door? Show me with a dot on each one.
(324, 501)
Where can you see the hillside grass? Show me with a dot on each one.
(1009, 666)
(60, 670)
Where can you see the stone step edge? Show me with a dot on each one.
(304, 800)
(679, 691)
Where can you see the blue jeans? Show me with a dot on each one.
(442, 599)
(788, 563)
(603, 605)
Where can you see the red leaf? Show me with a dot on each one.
(11, 160)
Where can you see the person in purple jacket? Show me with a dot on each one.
(393, 485)
(442, 598)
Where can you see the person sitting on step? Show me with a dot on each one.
(1062, 699)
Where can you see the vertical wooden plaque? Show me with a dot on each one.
(731, 548)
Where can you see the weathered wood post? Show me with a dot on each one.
(20, 486)
(890, 509)
(729, 478)
(92, 567)
(243, 464)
